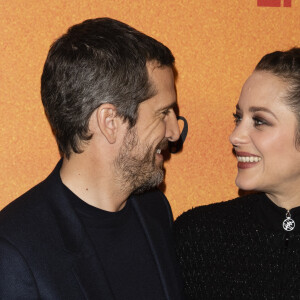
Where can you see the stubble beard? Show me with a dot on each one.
(136, 166)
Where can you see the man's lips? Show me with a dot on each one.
(162, 146)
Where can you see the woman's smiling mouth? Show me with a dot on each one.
(247, 160)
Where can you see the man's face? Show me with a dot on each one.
(140, 160)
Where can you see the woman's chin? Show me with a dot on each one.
(245, 185)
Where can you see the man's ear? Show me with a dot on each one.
(108, 121)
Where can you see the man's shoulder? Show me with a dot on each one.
(28, 213)
(22, 211)
(32, 201)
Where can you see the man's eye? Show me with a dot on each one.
(236, 118)
(166, 112)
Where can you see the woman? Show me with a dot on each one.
(249, 247)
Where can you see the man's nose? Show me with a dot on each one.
(172, 130)
(175, 147)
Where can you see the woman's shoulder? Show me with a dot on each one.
(230, 210)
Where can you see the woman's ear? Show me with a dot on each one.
(108, 121)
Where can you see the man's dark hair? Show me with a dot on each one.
(286, 66)
(98, 61)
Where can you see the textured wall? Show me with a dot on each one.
(216, 44)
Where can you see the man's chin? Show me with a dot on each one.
(153, 182)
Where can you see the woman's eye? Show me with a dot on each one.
(236, 118)
(259, 121)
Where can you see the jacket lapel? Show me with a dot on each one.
(86, 265)
(160, 244)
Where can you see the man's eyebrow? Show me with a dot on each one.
(168, 106)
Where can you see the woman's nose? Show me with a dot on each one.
(239, 135)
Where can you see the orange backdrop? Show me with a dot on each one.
(216, 44)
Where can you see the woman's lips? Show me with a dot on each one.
(247, 160)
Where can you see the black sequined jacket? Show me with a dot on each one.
(239, 250)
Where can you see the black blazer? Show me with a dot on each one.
(45, 252)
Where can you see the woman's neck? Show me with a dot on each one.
(287, 200)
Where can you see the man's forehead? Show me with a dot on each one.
(162, 82)
(153, 65)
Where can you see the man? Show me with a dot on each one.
(94, 229)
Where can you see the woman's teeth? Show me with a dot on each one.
(248, 158)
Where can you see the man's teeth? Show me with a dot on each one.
(248, 158)
(158, 151)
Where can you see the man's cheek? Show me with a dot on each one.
(155, 129)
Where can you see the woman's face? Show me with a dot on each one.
(264, 137)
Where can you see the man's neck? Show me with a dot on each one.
(93, 182)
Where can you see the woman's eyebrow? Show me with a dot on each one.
(261, 108)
